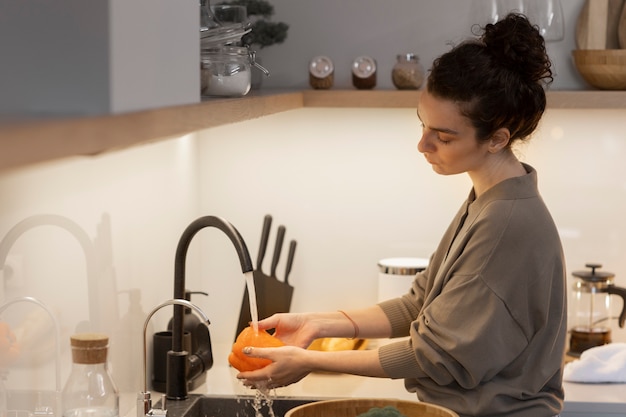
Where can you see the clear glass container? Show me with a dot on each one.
(4, 408)
(225, 71)
(407, 73)
(89, 390)
(321, 73)
(364, 73)
(592, 309)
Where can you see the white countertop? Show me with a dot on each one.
(221, 380)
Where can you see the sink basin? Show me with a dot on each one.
(231, 406)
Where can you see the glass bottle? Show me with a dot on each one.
(3, 395)
(407, 73)
(89, 390)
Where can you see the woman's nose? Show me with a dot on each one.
(423, 144)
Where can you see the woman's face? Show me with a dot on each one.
(448, 138)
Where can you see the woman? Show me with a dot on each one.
(487, 318)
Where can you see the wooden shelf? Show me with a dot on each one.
(24, 142)
(392, 98)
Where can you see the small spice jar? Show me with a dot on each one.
(407, 73)
(321, 73)
(364, 73)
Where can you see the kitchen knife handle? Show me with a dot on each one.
(292, 251)
(265, 234)
(279, 245)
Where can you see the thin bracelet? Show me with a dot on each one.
(356, 326)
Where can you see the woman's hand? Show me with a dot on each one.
(291, 328)
(289, 365)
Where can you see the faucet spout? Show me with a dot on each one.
(178, 373)
(97, 319)
(144, 400)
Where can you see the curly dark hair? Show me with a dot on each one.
(498, 80)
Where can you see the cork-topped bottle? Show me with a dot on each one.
(89, 390)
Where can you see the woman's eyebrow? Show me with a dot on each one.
(438, 129)
(444, 130)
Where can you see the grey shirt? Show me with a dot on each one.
(487, 318)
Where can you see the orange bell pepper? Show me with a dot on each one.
(9, 348)
(248, 337)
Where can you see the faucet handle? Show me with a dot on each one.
(160, 411)
(144, 405)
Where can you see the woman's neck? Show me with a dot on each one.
(498, 167)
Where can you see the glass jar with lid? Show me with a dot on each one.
(321, 73)
(225, 71)
(364, 73)
(89, 390)
(407, 73)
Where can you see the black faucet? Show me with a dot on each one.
(182, 367)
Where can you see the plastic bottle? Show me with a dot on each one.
(89, 390)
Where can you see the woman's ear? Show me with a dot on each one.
(499, 140)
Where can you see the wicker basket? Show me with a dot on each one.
(355, 406)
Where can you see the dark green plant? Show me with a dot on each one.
(264, 33)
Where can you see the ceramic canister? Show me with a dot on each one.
(396, 275)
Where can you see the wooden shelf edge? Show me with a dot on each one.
(361, 98)
(27, 143)
(596, 99)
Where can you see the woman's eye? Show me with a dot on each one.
(442, 140)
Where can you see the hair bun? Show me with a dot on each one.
(517, 45)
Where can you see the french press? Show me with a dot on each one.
(591, 308)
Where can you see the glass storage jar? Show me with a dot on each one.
(407, 73)
(321, 73)
(364, 73)
(89, 390)
(225, 71)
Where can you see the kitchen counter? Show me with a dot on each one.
(580, 399)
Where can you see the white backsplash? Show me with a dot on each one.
(348, 184)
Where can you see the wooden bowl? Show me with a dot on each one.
(602, 68)
(352, 407)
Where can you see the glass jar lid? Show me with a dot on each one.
(411, 57)
(364, 66)
(222, 35)
(321, 66)
(226, 50)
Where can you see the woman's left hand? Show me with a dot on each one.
(289, 365)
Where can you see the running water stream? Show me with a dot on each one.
(254, 313)
(263, 394)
